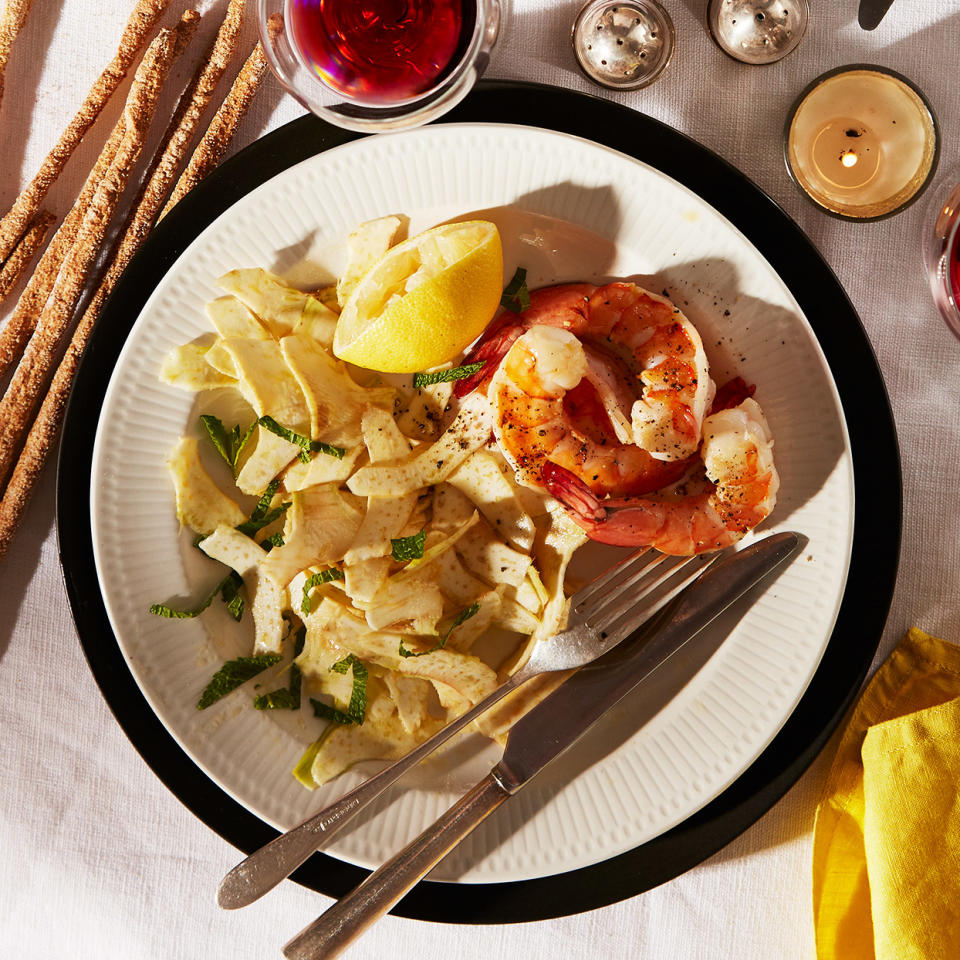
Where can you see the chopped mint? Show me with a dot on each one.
(231, 596)
(234, 673)
(409, 548)
(228, 588)
(446, 376)
(516, 296)
(324, 576)
(461, 617)
(275, 540)
(306, 445)
(282, 699)
(262, 515)
(285, 698)
(229, 444)
(357, 708)
(299, 639)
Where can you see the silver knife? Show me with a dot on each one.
(540, 736)
(872, 12)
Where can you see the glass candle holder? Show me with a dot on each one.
(941, 246)
(861, 142)
(378, 65)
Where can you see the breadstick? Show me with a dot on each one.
(162, 168)
(224, 124)
(29, 244)
(14, 16)
(23, 320)
(38, 359)
(46, 428)
(144, 16)
(196, 98)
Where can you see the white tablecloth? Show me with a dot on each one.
(98, 859)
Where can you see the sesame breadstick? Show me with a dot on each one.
(46, 427)
(30, 378)
(141, 22)
(224, 124)
(21, 323)
(14, 16)
(23, 253)
(196, 98)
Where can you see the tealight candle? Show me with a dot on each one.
(861, 142)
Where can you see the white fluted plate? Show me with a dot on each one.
(568, 210)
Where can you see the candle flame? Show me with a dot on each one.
(848, 158)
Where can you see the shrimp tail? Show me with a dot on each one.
(489, 352)
(573, 493)
(732, 394)
(630, 527)
(563, 306)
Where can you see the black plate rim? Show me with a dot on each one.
(874, 557)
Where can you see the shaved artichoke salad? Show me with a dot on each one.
(394, 571)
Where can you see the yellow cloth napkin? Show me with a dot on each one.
(886, 848)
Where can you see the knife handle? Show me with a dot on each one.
(334, 930)
(266, 867)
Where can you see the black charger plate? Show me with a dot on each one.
(873, 563)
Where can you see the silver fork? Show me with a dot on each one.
(600, 620)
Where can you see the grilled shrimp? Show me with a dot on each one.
(610, 383)
(733, 491)
(553, 397)
(648, 365)
(602, 396)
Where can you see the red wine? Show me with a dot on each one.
(953, 266)
(381, 51)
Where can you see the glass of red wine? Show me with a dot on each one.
(375, 65)
(941, 246)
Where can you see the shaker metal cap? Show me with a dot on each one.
(757, 31)
(623, 46)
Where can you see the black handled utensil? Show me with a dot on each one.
(872, 12)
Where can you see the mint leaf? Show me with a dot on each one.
(228, 587)
(306, 445)
(285, 698)
(282, 699)
(330, 714)
(516, 296)
(228, 444)
(218, 436)
(461, 617)
(357, 708)
(299, 639)
(231, 596)
(446, 376)
(274, 540)
(324, 576)
(266, 498)
(239, 442)
(262, 515)
(234, 673)
(409, 548)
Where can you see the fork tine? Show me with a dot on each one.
(633, 587)
(631, 616)
(637, 561)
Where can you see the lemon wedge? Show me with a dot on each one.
(424, 300)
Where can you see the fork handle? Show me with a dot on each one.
(334, 930)
(266, 867)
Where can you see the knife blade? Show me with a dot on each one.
(543, 734)
(872, 12)
(562, 718)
